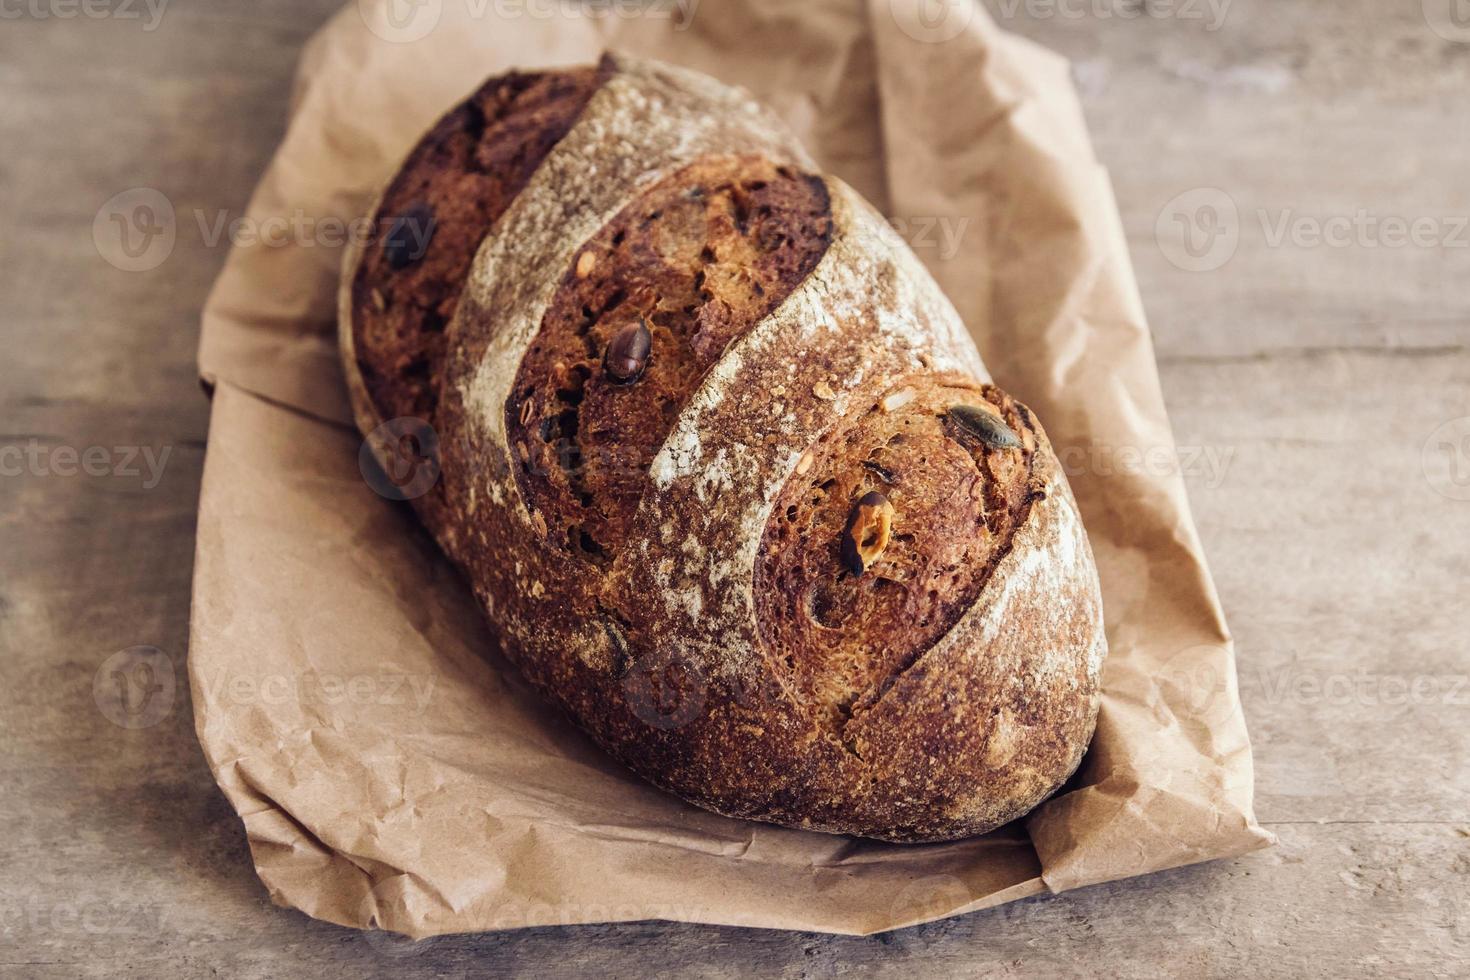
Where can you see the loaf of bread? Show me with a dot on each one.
(721, 463)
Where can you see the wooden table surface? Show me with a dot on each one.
(1316, 361)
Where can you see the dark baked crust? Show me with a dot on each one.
(972, 732)
(459, 178)
(678, 588)
(955, 502)
(699, 258)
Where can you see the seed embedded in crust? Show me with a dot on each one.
(988, 428)
(804, 464)
(823, 391)
(408, 237)
(586, 262)
(868, 530)
(627, 353)
(895, 400)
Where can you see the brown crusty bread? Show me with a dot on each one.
(721, 463)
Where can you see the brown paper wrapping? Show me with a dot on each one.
(393, 772)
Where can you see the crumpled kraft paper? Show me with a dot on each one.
(393, 772)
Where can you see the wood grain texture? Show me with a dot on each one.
(1304, 382)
